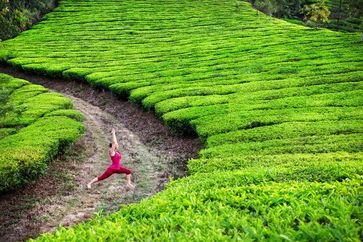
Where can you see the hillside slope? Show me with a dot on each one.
(277, 105)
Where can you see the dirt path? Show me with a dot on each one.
(61, 197)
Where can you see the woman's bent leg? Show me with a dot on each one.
(128, 176)
(125, 170)
(129, 184)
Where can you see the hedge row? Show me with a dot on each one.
(33, 131)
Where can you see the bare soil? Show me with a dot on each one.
(60, 197)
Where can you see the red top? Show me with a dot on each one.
(116, 160)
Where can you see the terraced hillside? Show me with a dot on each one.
(34, 126)
(279, 107)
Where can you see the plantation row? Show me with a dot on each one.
(279, 107)
(35, 125)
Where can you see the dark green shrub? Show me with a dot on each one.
(18, 15)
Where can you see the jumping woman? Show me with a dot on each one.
(115, 156)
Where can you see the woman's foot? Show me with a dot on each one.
(89, 185)
(129, 186)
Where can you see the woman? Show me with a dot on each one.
(115, 167)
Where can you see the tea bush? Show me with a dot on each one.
(39, 125)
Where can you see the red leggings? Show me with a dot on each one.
(111, 170)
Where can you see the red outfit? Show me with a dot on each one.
(115, 167)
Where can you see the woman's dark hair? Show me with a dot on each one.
(110, 145)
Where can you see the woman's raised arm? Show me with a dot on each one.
(114, 140)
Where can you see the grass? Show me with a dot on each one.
(278, 105)
(37, 127)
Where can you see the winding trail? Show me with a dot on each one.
(61, 197)
(148, 166)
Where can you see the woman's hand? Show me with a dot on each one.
(114, 140)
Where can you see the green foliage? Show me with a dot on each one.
(334, 14)
(18, 15)
(320, 167)
(244, 209)
(6, 131)
(70, 113)
(316, 13)
(269, 7)
(5, 107)
(346, 14)
(277, 105)
(36, 129)
(279, 8)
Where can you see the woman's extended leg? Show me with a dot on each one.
(106, 174)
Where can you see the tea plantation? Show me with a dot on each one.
(36, 125)
(278, 105)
